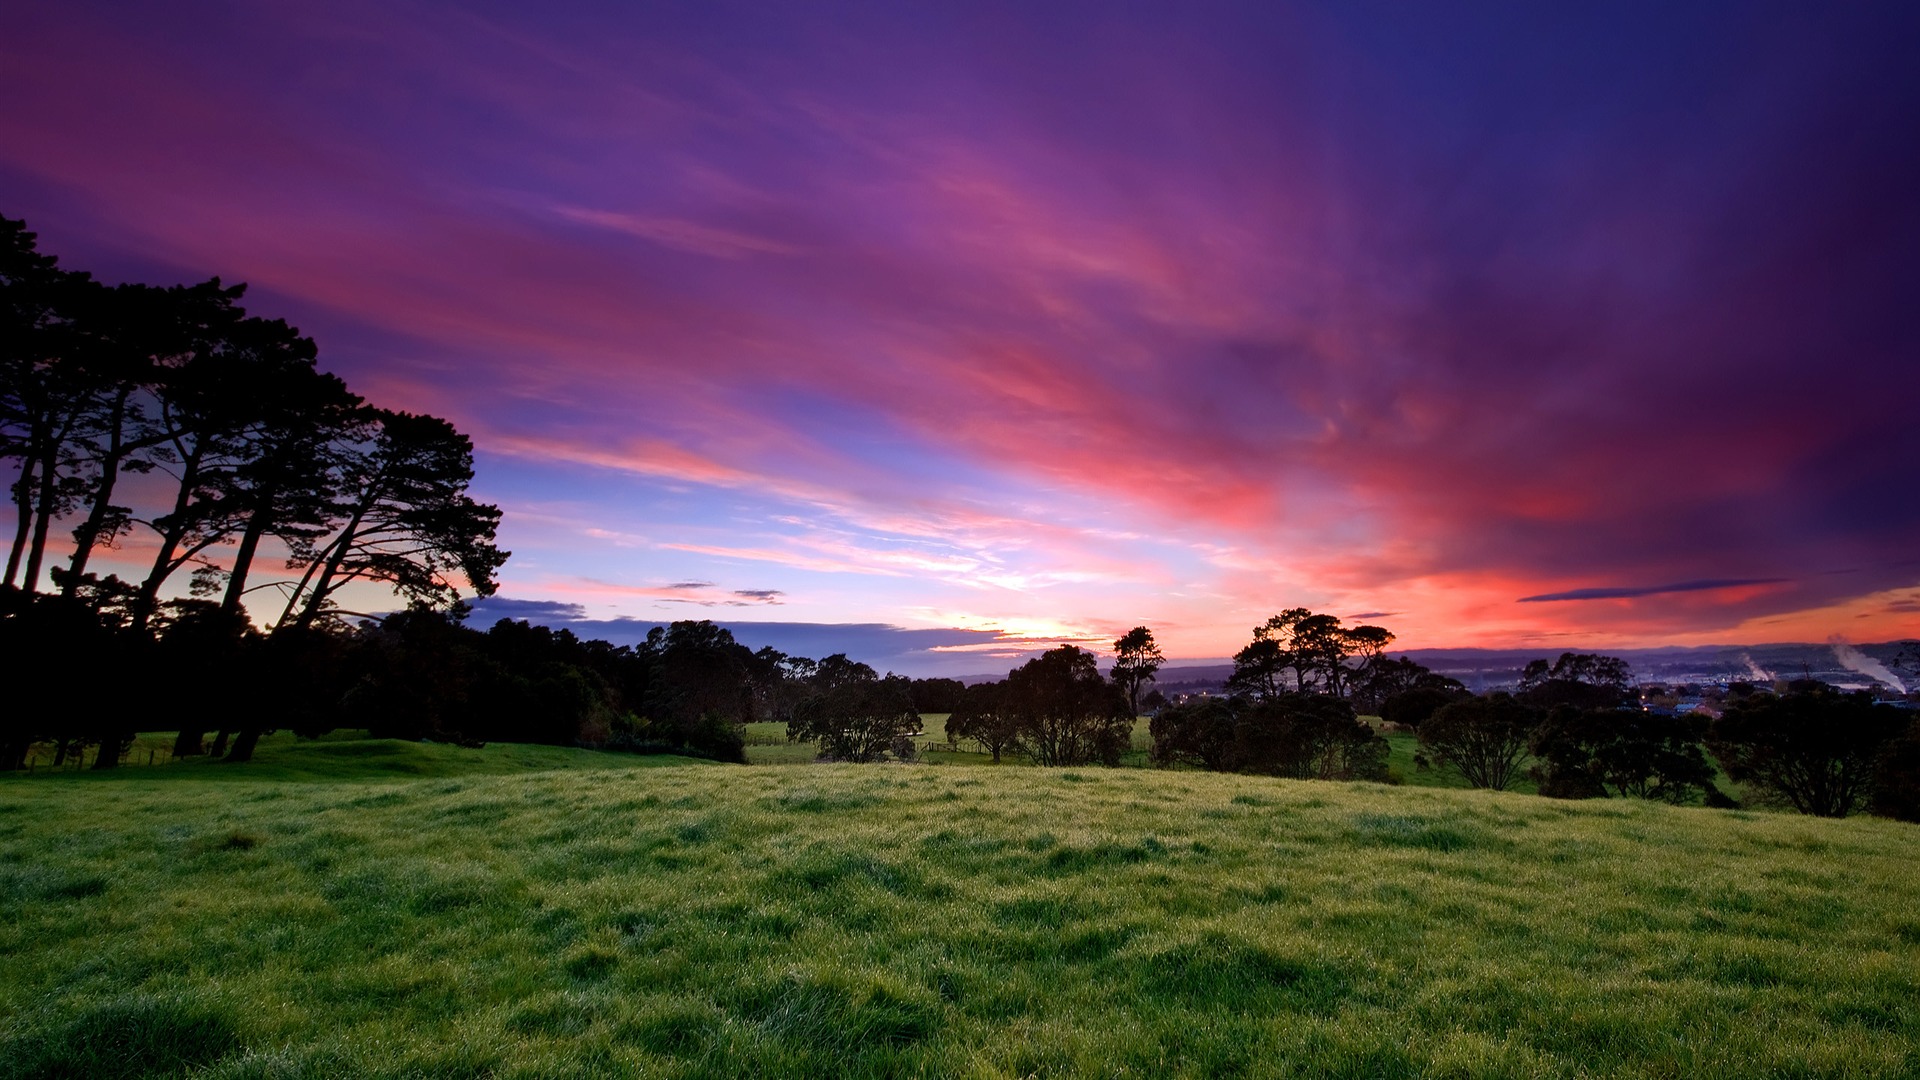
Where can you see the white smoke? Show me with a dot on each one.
(1760, 674)
(1854, 660)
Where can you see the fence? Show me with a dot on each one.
(78, 759)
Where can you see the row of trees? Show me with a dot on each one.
(1572, 725)
(688, 688)
(173, 415)
(1057, 708)
(1814, 748)
(205, 444)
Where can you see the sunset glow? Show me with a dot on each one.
(1010, 326)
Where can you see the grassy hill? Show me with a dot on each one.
(389, 909)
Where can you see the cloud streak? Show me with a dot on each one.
(1177, 318)
(1633, 592)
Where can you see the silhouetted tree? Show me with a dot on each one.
(1315, 648)
(1136, 657)
(286, 486)
(1320, 651)
(1813, 749)
(1301, 736)
(1065, 712)
(137, 340)
(1896, 777)
(1307, 737)
(1367, 643)
(46, 391)
(701, 692)
(405, 520)
(1258, 668)
(1380, 678)
(779, 683)
(852, 714)
(981, 715)
(1411, 708)
(1199, 731)
(1581, 680)
(937, 695)
(1486, 738)
(213, 407)
(1584, 753)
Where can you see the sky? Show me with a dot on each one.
(941, 333)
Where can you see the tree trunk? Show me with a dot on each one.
(243, 562)
(88, 534)
(243, 746)
(293, 600)
(23, 528)
(321, 585)
(170, 537)
(336, 552)
(13, 754)
(60, 752)
(190, 742)
(220, 744)
(42, 520)
(112, 745)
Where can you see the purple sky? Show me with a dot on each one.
(1519, 325)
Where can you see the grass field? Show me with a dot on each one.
(353, 908)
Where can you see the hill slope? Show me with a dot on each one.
(696, 920)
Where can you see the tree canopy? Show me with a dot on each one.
(1067, 714)
(1815, 749)
(1136, 657)
(241, 441)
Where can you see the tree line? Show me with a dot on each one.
(1573, 725)
(169, 423)
(201, 436)
(205, 444)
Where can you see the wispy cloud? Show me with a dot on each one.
(1630, 592)
(893, 333)
(680, 234)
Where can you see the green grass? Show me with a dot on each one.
(343, 756)
(328, 911)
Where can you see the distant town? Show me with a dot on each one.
(1671, 681)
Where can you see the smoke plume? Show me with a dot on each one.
(1854, 660)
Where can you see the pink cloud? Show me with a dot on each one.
(1253, 350)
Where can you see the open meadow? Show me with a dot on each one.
(362, 908)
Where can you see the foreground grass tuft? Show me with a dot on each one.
(390, 910)
(125, 1036)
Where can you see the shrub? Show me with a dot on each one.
(1896, 777)
(1596, 752)
(1485, 738)
(1411, 708)
(1301, 736)
(853, 714)
(1814, 749)
(1065, 713)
